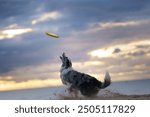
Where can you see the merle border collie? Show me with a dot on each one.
(76, 81)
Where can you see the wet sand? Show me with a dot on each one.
(108, 96)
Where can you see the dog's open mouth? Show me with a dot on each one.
(63, 56)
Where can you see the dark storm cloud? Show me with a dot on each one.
(76, 13)
(30, 51)
(16, 11)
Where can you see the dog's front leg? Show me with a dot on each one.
(73, 91)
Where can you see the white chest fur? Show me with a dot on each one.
(64, 71)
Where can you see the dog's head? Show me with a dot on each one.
(66, 63)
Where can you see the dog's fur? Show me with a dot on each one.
(76, 81)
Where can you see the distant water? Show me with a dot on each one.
(32, 94)
(138, 87)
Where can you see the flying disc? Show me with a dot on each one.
(52, 35)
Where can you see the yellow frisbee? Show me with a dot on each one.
(52, 34)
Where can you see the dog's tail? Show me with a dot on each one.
(107, 81)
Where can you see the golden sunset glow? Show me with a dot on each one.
(87, 63)
(102, 53)
(37, 83)
(124, 49)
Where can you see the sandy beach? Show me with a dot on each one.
(110, 96)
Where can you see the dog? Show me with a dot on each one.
(87, 85)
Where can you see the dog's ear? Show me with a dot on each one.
(70, 63)
(63, 55)
(60, 57)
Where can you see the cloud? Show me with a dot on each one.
(117, 50)
(46, 16)
(6, 78)
(107, 25)
(129, 64)
(138, 53)
(127, 49)
(13, 32)
(99, 37)
(84, 27)
(33, 49)
(143, 46)
(40, 71)
(95, 27)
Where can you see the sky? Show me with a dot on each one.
(97, 35)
